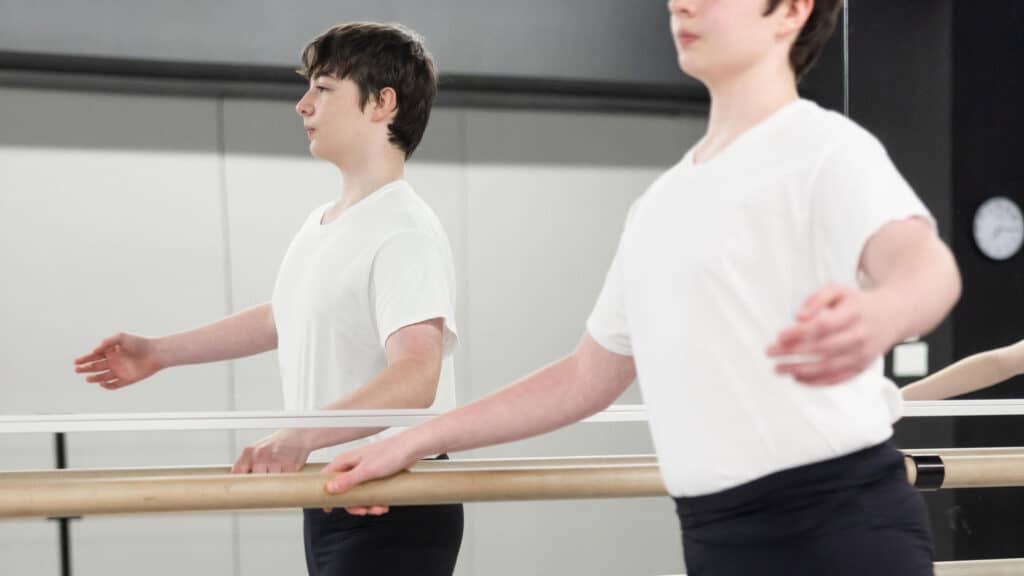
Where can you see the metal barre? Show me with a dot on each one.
(266, 420)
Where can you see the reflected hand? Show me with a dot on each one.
(282, 451)
(120, 360)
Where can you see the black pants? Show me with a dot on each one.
(408, 540)
(850, 516)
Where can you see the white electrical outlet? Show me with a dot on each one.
(910, 360)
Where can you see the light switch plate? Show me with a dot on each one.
(910, 360)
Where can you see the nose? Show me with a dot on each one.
(304, 106)
(680, 6)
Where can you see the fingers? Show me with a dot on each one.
(243, 465)
(92, 367)
(342, 463)
(102, 374)
(375, 510)
(832, 379)
(257, 459)
(806, 336)
(102, 378)
(831, 371)
(88, 358)
(827, 296)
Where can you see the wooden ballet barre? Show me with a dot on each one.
(1000, 567)
(33, 494)
(92, 492)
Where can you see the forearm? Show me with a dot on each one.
(246, 333)
(920, 291)
(972, 373)
(404, 384)
(555, 396)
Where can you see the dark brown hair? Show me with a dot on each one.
(814, 35)
(377, 56)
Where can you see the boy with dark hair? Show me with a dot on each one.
(363, 310)
(756, 286)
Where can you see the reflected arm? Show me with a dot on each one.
(972, 373)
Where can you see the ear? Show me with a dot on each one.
(792, 14)
(385, 106)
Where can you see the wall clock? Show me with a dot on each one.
(999, 228)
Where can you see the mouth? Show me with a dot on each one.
(685, 38)
(309, 131)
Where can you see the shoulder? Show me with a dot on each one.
(832, 133)
(820, 141)
(405, 211)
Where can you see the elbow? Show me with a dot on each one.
(426, 386)
(955, 281)
(426, 399)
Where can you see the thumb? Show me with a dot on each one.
(110, 342)
(344, 481)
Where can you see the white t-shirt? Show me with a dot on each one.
(344, 287)
(714, 261)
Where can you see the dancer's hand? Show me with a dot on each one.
(839, 332)
(283, 451)
(378, 460)
(120, 360)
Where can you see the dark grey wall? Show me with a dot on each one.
(987, 126)
(572, 54)
(900, 88)
(608, 40)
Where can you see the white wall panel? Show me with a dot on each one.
(111, 219)
(547, 197)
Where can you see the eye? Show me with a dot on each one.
(322, 89)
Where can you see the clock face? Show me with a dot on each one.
(999, 228)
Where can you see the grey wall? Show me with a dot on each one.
(606, 40)
(900, 88)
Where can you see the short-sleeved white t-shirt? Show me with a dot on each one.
(346, 286)
(716, 258)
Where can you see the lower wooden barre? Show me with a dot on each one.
(90, 492)
(1001, 567)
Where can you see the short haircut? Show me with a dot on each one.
(814, 35)
(377, 56)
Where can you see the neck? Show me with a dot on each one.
(740, 102)
(371, 172)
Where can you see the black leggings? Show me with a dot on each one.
(849, 516)
(408, 540)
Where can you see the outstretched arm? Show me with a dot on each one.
(124, 359)
(579, 385)
(969, 374)
(913, 283)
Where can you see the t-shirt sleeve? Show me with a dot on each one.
(608, 323)
(412, 281)
(855, 192)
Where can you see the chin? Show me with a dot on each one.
(687, 66)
